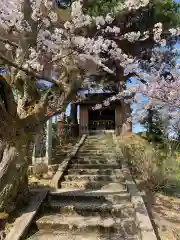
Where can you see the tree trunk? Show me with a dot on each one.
(126, 124)
(126, 108)
(2, 146)
(24, 117)
(13, 174)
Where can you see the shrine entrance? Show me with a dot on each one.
(107, 118)
(103, 119)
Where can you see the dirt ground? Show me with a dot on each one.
(165, 215)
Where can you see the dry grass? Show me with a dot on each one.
(164, 213)
(153, 171)
(155, 167)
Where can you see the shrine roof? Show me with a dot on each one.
(95, 98)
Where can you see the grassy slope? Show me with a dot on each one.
(163, 208)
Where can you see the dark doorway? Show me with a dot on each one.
(101, 119)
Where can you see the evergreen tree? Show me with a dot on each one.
(154, 125)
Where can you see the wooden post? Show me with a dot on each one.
(118, 119)
(74, 121)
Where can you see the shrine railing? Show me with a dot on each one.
(101, 125)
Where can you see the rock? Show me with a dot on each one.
(51, 174)
(46, 176)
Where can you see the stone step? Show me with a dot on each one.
(97, 137)
(119, 198)
(113, 178)
(98, 144)
(95, 151)
(64, 235)
(107, 171)
(97, 207)
(110, 191)
(91, 184)
(97, 147)
(100, 140)
(95, 157)
(78, 223)
(93, 203)
(111, 195)
(96, 161)
(96, 166)
(87, 154)
(100, 154)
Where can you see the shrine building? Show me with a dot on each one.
(107, 118)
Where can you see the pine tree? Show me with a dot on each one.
(154, 125)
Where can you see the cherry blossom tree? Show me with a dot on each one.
(162, 85)
(165, 92)
(38, 43)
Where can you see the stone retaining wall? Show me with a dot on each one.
(142, 216)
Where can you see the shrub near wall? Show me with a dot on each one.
(151, 165)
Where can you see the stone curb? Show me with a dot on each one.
(22, 223)
(142, 216)
(63, 166)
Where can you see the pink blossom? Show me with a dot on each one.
(52, 42)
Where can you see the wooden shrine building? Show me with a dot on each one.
(106, 118)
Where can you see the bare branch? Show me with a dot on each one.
(59, 59)
(5, 40)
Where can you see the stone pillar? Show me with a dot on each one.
(60, 123)
(42, 151)
(39, 150)
(49, 141)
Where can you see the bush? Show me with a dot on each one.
(152, 165)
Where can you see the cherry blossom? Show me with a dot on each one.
(165, 92)
(36, 21)
(59, 41)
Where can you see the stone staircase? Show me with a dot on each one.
(92, 202)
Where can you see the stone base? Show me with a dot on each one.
(51, 168)
(45, 160)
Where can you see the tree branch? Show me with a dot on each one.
(28, 72)
(5, 40)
